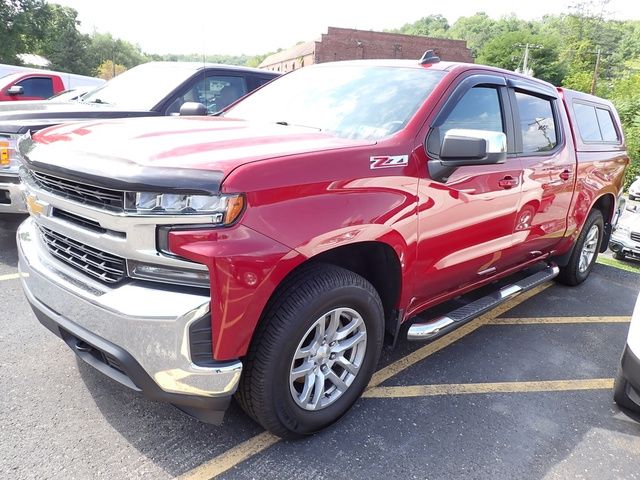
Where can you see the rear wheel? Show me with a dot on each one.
(314, 352)
(585, 251)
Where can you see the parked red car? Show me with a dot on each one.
(271, 251)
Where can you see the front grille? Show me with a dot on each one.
(635, 236)
(80, 192)
(104, 266)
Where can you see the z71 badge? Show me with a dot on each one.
(388, 162)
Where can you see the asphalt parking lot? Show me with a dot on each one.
(521, 392)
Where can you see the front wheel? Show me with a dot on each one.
(314, 352)
(584, 252)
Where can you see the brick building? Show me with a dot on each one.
(349, 44)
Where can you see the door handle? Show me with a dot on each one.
(508, 182)
(565, 175)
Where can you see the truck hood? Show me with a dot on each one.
(181, 153)
(18, 117)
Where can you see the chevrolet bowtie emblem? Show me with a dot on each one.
(35, 207)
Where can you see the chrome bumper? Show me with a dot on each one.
(623, 243)
(149, 324)
(13, 192)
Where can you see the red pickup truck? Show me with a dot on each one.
(40, 85)
(271, 251)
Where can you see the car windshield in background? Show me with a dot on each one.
(142, 87)
(351, 101)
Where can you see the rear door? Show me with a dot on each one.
(549, 169)
(466, 221)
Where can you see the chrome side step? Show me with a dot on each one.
(458, 317)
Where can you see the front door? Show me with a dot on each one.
(467, 221)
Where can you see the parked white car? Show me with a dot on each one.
(626, 391)
(625, 239)
(634, 189)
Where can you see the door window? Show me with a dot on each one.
(479, 109)
(537, 123)
(40, 87)
(215, 92)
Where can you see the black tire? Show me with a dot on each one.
(264, 390)
(571, 274)
(619, 255)
(620, 395)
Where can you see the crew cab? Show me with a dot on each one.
(272, 250)
(40, 85)
(150, 89)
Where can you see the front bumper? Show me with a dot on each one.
(630, 365)
(11, 194)
(135, 333)
(624, 244)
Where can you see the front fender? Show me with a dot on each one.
(245, 268)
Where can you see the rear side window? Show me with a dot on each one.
(40, 87)
(595, 124)
(607, 128)
(537, 123)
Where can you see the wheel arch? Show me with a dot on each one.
(376, 261)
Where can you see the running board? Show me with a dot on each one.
(441, 325)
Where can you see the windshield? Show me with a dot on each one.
(9, 78)
(142, 87)
(351, 101)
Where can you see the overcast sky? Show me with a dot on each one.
(259, 26)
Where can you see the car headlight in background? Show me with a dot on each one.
(8, 156)
(223, 209)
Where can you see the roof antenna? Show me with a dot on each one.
(429, 57)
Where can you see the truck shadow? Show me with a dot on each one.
(8, 225)
(500, 435)
(171, 439)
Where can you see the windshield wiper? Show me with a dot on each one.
(287, 124)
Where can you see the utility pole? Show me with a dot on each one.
(525, 59)
(595, 72)
(525, 62)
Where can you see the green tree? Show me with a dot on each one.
(507, 51)
(477, 30)
(429, 26)
(103, 47)
(21, 22)
(61, 42)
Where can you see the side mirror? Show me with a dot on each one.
(462, 147)
(189, 109)
(15, 90)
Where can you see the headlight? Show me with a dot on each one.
(224, 209)
(8, 156)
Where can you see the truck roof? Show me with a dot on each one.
(442, 66)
